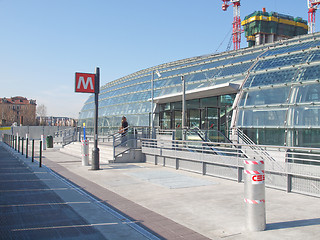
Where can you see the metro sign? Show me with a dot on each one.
(85, 82)
(258, 179)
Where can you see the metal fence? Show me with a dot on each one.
(292, 169)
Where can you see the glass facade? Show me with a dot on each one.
(278, 101)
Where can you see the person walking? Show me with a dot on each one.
(124, 129)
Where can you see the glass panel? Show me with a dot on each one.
(309, 73)
(165, 106)
(194, 118)
(165, 120)
(212, 118)
(267, 96)
(167, 90)
(176, 105)
(227, 100)
(266, 136)
(314, 56)
(178, 119)
(270, 78)
(193, 103)
(262, 117)
(225, 119)
(291, 48)
(281, 61)
(304, 116)
(308, 93)
(209, 102)
(306, 137)
(156, 120)
(197, 85)
(243, 99)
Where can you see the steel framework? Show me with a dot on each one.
(236, 25)
(312, 7)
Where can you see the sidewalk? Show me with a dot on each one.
(181, 205)
(35, 203)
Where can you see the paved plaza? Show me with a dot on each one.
(65, 200)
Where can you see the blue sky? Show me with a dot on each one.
(44, 42)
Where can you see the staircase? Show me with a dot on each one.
(253, 150)
(105, 153)
(74, 149)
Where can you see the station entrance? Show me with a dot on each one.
(212, 113)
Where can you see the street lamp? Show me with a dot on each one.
(183, 108)
(152, 110)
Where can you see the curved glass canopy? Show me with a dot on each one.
(278, 99)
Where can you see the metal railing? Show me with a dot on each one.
(206, 135)
(127, 139)
(298, 171)
(254, 149)
(66, 136)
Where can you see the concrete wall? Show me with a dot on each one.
(34, 132)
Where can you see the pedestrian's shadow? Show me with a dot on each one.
(293, 224)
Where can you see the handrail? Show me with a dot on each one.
(201, 132)
(252, 145)
(291, 155)
(284, 148)
(65, 136)
(120, 139)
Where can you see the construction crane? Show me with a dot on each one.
(312, 7)
(236, 25)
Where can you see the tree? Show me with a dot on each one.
(42, 113)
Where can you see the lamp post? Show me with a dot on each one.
(152, 100)
(183, 108)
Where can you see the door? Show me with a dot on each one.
(194, 118)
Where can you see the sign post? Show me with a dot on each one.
(84, 131)
(90, 83)
(95, 151)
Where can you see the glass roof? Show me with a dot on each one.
(272, 77)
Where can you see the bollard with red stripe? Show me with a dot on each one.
(85, 152)
(254, 195)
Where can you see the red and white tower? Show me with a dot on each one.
(312, 7)
(236, 25)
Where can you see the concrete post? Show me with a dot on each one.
(85, 152)
(114, 148)
(254, 195)
(43, 139)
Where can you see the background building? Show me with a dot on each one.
(17, 110)
(56, 121)
(262, 27)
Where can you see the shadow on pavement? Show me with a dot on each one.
(293, 224)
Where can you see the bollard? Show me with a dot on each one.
(43, 140)
(85, 152)
(32, 159)
(22, 140)
(254, 195)
(40, 156)
(18, 144)
(27, 147)
(15, 143)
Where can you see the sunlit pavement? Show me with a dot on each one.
(156, 202)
